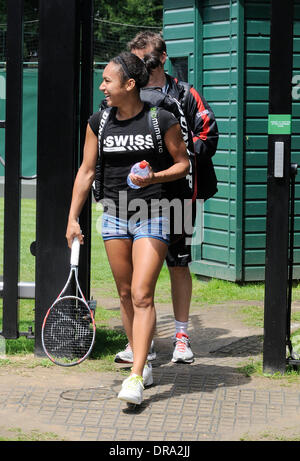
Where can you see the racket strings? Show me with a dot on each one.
(68, 330)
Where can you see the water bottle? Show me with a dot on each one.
(140, 169)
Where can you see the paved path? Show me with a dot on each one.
(207, 400)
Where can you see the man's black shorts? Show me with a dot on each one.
(179, 253)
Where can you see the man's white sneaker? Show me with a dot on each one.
(147, 375)
(132, 390)
(182, 351)
(126, 356)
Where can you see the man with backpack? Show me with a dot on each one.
(151, 47)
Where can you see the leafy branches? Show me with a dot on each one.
(116, 23)
(146, 13)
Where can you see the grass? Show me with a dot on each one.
(214, 291)
(253, 316)
(18, 435)
(109, 341)
(254, 367)
(272, 436)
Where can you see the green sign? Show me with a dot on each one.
(279, 124)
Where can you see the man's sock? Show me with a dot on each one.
(181, 327)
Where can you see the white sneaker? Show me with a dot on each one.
(126, 356)
(182, 351)
(132, 390)
(147, 375)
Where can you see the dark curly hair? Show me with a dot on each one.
(132, 67)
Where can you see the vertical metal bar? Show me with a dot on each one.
(277, 234)
(57, 147)
(293, 174)
(12, 189)
(86, 109)
(240, 148)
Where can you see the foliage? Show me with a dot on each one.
(135, 12)
(30, 10)
(30, 28)
(115, 23)
(148, 12)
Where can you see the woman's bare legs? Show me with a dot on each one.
(119, 252)
(148, 255)
(135, 268)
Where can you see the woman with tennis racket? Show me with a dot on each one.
(136, 248)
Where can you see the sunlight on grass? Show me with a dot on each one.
(255, 367)
(212, 291)
(109, 341)
(18, 435)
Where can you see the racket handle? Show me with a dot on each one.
(75, 252)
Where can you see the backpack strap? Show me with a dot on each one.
(185, 185)
(102, 123)
(186, 89)
(97, 186)
(153, 120)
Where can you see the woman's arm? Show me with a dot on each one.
(181, 167)
(82, 185)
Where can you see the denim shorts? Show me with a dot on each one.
(116, 228)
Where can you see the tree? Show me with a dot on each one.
(115, 24)
(30, 10)
(118, 22)
(30, 28)
(145, 13)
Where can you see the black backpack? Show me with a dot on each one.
(186, 188)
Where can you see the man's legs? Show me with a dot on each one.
(178, 259)
(181, 288)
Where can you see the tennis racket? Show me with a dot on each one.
(68, 330)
